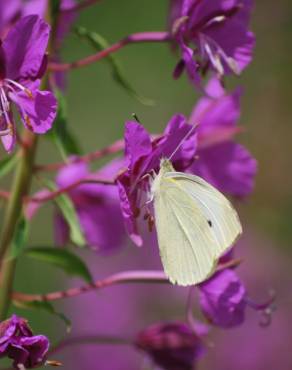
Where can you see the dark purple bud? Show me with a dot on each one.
(171, 345)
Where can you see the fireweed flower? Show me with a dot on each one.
(212, 34)
(223, 299)
(221, 161)
(143, 156)
(15, 9)
(18, 343)
(171, 345)
(97, 207)
(22, 64)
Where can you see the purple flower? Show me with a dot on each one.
(212, 34)
(22, 64)
(18, 343)
(171, 345)
(10, 13)
(97, 207)
(223, 299)
(221, 161)
(143, 156)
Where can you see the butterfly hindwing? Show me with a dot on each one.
(195, 225)
(216, 208)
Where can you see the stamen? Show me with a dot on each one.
(27, 121)
(217, 54)
(265, 309)
(215, 59)
(53, 363)
(19, 86)
(177, 24)
(4, 102)
(218, 19)
(5, 132)
(5, 109)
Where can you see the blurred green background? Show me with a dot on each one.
(98, 108)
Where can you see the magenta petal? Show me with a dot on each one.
(222, 299)
(127, 208)
(214, 114)
(37, 112)
(8, 10)
(97, 206)
(37, 346)
(71, 173)
(236, 42)
(191, 65)
(32, 207)
(25, 47)
(137, 143)
(227, 166)
(179, 143)
(38, 7)
(8, 140)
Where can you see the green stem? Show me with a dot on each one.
(20, 188)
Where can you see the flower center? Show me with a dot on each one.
(212, 51)
(6, 86)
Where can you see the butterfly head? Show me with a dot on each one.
(166, 165)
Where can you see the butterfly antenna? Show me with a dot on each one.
(183, 139)
(134, 115)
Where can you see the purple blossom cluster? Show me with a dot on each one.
(112, 203)
(212, 35)
(22, 65)
(18, 343)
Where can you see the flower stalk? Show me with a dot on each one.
(20, 189)
(125, 277)
(131, 39)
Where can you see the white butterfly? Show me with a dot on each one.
(195, 224)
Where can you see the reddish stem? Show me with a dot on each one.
(131, 39)
(88, 339)
(127, 277)
(119, 278)
(111, 149)
(55, 194)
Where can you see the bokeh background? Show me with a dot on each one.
(98, 108)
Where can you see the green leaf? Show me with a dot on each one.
(62, 258)
(20, 238)
(67, 208)
(7, 164)
(44, 306)
(100, 43)
(60, 134)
